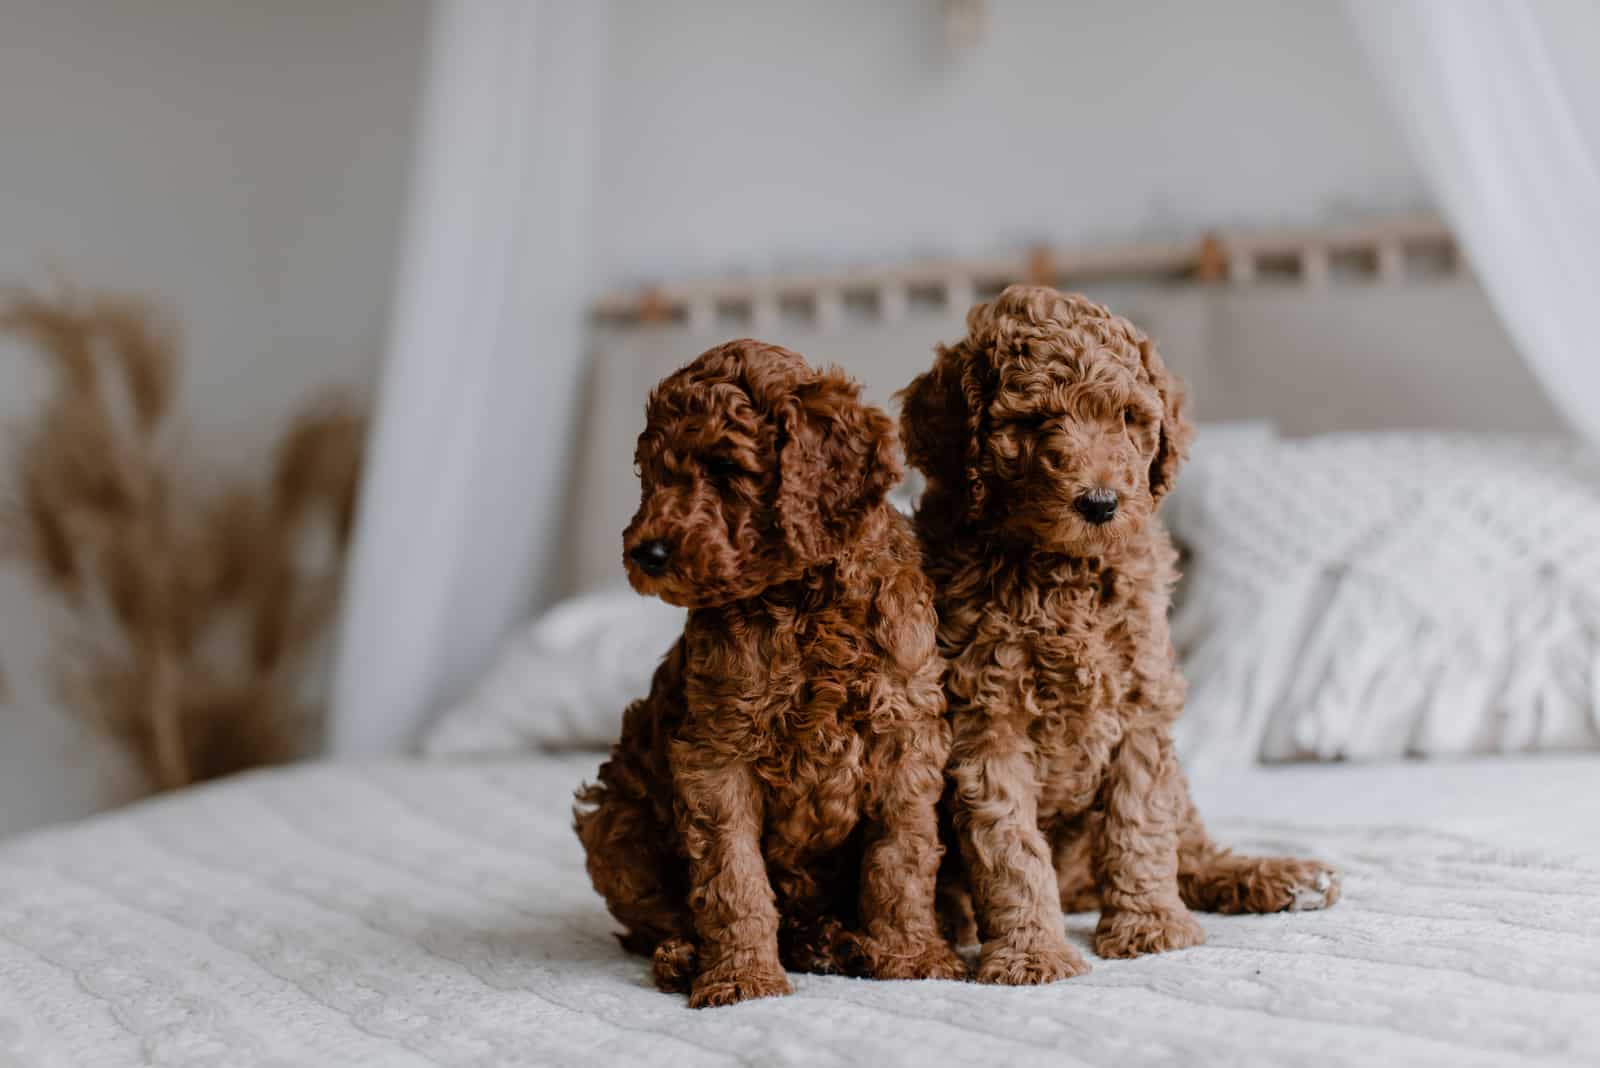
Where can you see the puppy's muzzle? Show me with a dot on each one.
(651, 557)
(1097, 506)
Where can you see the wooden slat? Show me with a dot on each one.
(959, 290)
(1314, 265)
(1391, 261)
(1233, 255)
(892, 302)
(702, 314)
(1211, 260)
(830, 308)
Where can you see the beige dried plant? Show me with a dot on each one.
(196, 615)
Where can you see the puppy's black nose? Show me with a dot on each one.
(1097, 506)
(651, 556)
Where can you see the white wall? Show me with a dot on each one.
(244, 162)
(750, 135)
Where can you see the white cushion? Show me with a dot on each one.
(1385, 595)
(563, 681)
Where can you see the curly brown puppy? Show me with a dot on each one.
(1048, 437)
(774, 799)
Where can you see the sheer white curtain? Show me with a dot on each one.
(468, 459)
(1501, 100)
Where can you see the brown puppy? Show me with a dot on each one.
(774, 799)
(1048, 436)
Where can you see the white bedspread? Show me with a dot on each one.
(411, 914)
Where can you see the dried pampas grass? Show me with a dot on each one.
(197, 615)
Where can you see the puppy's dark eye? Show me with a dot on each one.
(722, 468)
(1030, 422)
(1131, 417)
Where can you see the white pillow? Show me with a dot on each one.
(1386, 595)
(564, 681)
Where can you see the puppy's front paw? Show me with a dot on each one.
(1123, 934)
(934, 961)
(733, 982)
(1029, 961)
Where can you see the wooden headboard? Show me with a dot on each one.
(1376, 327)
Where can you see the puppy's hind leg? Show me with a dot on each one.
(816, 909)
(634, 869)
(1214, 879)
(1072, 844)
(952, 898)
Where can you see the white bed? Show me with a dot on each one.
(413, 913)
(417, 913)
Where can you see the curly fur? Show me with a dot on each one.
(773, 801)
(1065, 791)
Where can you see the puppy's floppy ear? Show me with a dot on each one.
(836, 461)
(942, 418)
(1176, 430)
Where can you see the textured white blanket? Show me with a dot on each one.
(413, 914)
(1373, 596)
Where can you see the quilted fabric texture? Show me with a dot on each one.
(438, 914)
(1387, 595)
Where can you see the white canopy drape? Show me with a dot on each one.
(469, 454)
(1501, 100)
